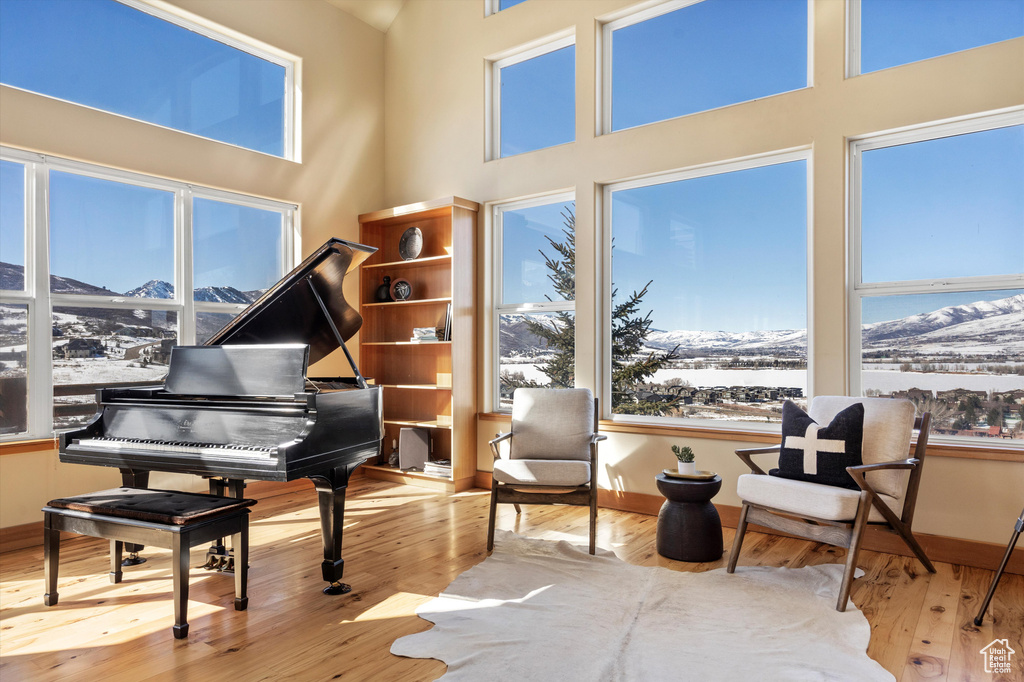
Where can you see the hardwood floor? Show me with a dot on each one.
(403, 545)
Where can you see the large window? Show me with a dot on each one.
(708, 299)
(937, 297)
(120, 291)
(887, 33)
(534, 99)
(535, 290)
(128, 58)
(682, 57)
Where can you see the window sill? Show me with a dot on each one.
(20, 447)
(957, 450)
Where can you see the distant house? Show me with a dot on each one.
(83, 348)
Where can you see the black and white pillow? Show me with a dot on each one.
(821, 454)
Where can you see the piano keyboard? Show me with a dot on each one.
(244, 451)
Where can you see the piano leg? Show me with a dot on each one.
(134, 478)
(330, 490)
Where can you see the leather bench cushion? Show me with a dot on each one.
(157, 506)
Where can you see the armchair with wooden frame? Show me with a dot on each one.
(551, 456)
(888, 482)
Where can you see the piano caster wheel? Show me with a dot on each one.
(133, 559)
(337, 588)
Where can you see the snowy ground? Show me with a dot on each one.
(887, 381)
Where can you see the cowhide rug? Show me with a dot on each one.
(540, 610)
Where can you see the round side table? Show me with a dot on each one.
(689, 528)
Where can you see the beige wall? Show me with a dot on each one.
(341, 174)
(435, 56)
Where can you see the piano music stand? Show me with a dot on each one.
(1018, 527)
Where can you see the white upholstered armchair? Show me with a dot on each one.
(885, 494)
(551, 456)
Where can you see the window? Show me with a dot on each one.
(494, 6)
(535, 272)
(937, 295)
(887, 33)
(535, 98)
(131, 59)
(708, 301)
(115, 304)
(682, 57)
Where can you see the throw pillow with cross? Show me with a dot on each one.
(820, 454)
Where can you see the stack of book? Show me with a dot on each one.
(423, 334)
(438, 467)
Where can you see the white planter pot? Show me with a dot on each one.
(689, 468)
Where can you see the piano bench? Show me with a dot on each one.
(162, 518)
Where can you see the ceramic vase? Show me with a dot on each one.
(688, 468)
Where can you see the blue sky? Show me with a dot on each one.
(705, 56)
(12, 213)
(726, 252)
(898, 32)
(116, 58)
(524, 274)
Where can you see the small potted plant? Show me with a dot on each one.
(685, 456)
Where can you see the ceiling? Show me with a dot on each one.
(376, 13)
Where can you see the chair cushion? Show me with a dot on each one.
(802, 498)
(820, 453)
(566, 472)
(157, 506)
(552, 423)
(888, 424)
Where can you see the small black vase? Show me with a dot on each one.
(384, 290)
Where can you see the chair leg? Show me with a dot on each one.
(908, 537)
(863, 509)
(737, 543)
(51, 558)
(180, 578)
(515, 505)
(116, 549)
(490, 520)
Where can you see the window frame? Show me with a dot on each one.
(41, 301)
(498, 308)
(632, 16)
(290, 63)
(523, 53)
(774, 158)
(857, 289)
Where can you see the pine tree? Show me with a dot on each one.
(629, 331)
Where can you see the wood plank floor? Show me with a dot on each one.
(403, 545)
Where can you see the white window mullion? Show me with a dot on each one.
(40, 320)
(183, 267)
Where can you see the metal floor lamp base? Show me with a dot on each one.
(1002, 567)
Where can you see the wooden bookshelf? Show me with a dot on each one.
(410, 372)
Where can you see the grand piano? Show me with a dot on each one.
(241, 406)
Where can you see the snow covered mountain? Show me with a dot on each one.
(155, 288)
(983, 327)
(13, 277)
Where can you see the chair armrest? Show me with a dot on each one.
(745, 453)
(857, 472)
(497, 439)
(597, 437)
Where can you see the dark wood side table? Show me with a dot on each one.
(689, 528)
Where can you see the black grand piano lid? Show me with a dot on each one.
(290, 312)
